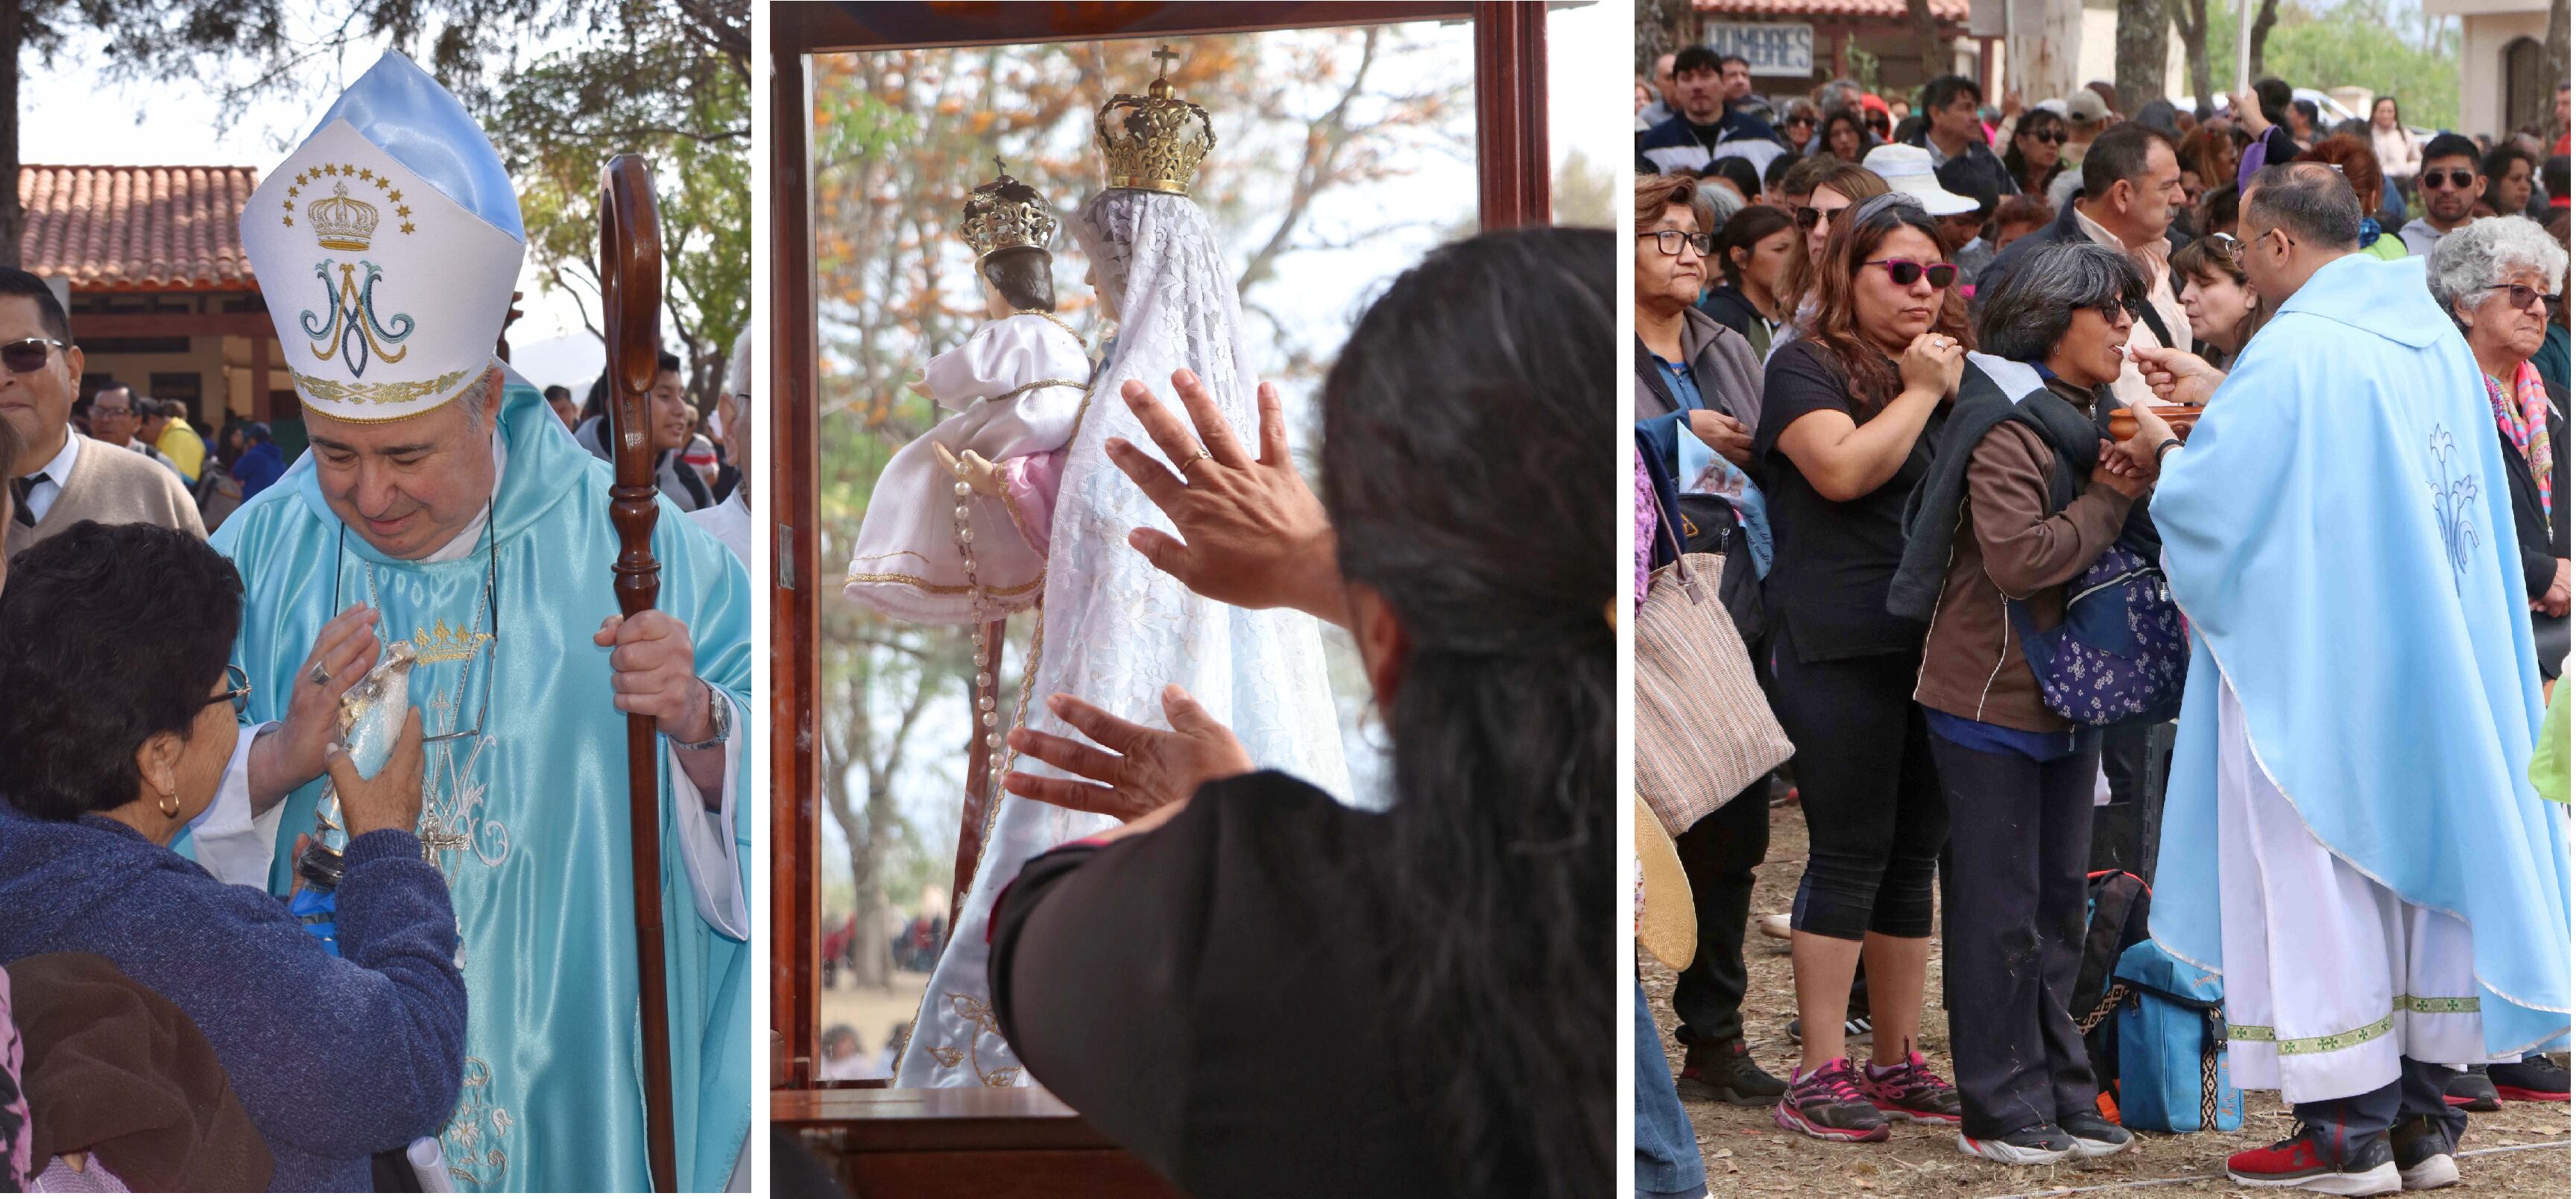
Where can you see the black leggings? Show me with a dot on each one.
(1875, 819)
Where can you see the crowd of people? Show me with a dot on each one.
(1882, 349)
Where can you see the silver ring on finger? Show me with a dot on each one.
(320, 677)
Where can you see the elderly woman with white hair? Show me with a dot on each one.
(2500, 278)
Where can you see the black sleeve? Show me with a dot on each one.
(1799, 380)
(1093, 951)
(2278, 147)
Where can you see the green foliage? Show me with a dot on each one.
(688, 111)
(2355, 43)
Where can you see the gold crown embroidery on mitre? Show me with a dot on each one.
(1156, 141)
(1005, 214)
(340, 223)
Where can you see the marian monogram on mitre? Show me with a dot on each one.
(396, 303)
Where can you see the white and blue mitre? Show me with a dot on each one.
(525, 804)
(387, 245)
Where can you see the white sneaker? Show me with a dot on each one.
(2037, 1145)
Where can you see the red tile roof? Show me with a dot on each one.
(1868, 10)
(137, 228)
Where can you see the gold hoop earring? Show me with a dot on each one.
(170, 806)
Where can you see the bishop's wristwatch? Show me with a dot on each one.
(720, 714)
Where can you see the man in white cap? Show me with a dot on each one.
(2086, 114)
(442, 503)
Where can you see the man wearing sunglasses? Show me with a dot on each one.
(2452, 182)
(442, 505)
(2349, 835)
(61, 478)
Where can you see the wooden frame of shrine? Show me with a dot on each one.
(922, 1142)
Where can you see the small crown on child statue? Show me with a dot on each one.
(1005, 214)
(1156, 141)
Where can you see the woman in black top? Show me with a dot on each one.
(1262, 992)
(1843, 437)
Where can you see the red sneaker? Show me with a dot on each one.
(2321, 1159)
(2531, 1080)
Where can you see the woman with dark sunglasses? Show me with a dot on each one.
(117, 733)
(1819, 189)
(2016, 776)
(2033, 156)
(1843, 440)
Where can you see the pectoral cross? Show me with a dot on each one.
(1164, 60)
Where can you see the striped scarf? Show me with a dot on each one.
(2525, 422)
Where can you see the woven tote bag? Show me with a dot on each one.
(1704, 729)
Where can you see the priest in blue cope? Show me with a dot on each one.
(443, 504)
(2350, 838)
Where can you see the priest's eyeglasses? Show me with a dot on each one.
(1670, 241)
(30, 355)
(2521, 298)
(236, 689)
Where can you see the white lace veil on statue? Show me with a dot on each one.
(1112, 629)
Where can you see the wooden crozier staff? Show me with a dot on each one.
(630, 285)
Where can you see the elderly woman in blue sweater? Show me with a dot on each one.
(118, 715)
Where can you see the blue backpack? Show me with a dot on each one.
(2120, 653)
(2172, 1036)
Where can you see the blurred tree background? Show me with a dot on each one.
(1341, 156)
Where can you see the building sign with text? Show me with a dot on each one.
(1773, 50)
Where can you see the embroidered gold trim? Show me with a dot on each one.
(2326, 1044)
(943, 588)
(979, 1014)
(1052, 319)
(333, 391)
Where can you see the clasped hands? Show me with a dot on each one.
(1251, 534)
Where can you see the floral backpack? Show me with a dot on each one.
(2119, 655)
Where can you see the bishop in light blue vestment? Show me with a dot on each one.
(395, 240)
(2350, 837)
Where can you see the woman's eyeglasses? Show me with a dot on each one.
(1904, 271)
(2459, 180)
(1810, 217)
(30, 355)
(2051, 136)
(236, 689)
(2521, 297)
(1799, 123)
(2235, 249)
(1671, 241)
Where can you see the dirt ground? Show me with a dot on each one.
(1748, 1155)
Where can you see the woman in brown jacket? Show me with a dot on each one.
(2017, 777)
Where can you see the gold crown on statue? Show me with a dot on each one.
(1005, 214)
(1154, 142)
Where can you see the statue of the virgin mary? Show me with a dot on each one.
(1111, 628)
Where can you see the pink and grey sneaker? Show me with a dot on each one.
(1910, 1091)
(1827, 1104)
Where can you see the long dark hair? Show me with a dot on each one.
(2019, 164)
(1867, 369)
(1474, 386)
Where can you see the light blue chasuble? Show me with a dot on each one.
(2340, 537)
(529, 820)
